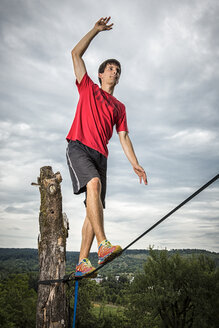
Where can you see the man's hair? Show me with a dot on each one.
(105, 63)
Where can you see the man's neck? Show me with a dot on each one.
(108, 88)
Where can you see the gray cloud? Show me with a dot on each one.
(169, 84)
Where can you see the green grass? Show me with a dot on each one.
(106, 309)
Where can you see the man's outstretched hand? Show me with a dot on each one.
(141, 173)
(101, 24)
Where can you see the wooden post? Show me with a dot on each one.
(52, 307)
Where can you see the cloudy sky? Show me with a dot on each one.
(170, 75)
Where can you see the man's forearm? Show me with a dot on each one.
(83, 44)
(128, 149)
(100, 25)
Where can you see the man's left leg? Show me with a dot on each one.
(84, 266)
(87, 239)
(93, 225)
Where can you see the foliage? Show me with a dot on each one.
(112, 290)
(175, 292)
(17, 302)
(101, 316)
(15, 260)
(173, 289)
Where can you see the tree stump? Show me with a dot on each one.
(52, 307)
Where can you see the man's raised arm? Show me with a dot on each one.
(81, 47)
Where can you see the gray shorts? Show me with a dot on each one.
(85, 164)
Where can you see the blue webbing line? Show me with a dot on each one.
(75, 302)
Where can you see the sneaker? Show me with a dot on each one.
(84, 268)
(107, 252)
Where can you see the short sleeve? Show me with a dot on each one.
(85, 83)
(121, 124)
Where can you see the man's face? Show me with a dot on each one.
(110, 75)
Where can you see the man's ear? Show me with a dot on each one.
(100, 75)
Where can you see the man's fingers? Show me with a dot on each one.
(142, 175)
(108, 19)
(145, 179)
(102, 23)
(104, 20)
(100, 20)
(109, 27)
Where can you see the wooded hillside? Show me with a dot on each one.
(142, 289)
(20, 260)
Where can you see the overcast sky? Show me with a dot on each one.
(170, 76)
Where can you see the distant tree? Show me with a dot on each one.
(17, 302)
(175, 292)
(123, 280)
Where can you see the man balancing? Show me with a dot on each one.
(97, 112)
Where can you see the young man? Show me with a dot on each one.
(97, 112)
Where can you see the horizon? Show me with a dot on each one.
(134, 249)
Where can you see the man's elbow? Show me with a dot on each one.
(73, 53)
(123, 135)
(75, 57)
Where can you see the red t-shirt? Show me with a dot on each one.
(96, 114)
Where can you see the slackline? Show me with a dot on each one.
(71, 276)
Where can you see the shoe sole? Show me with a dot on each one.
(111, 257)
(90, 275)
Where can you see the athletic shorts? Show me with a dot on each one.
(85, 164)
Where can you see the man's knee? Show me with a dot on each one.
(94, 185)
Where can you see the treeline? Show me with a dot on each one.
(171, 291)
(15, 260)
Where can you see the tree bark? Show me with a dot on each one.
(52, 307)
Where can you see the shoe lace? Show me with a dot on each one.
(107, 244)
(86, 263)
